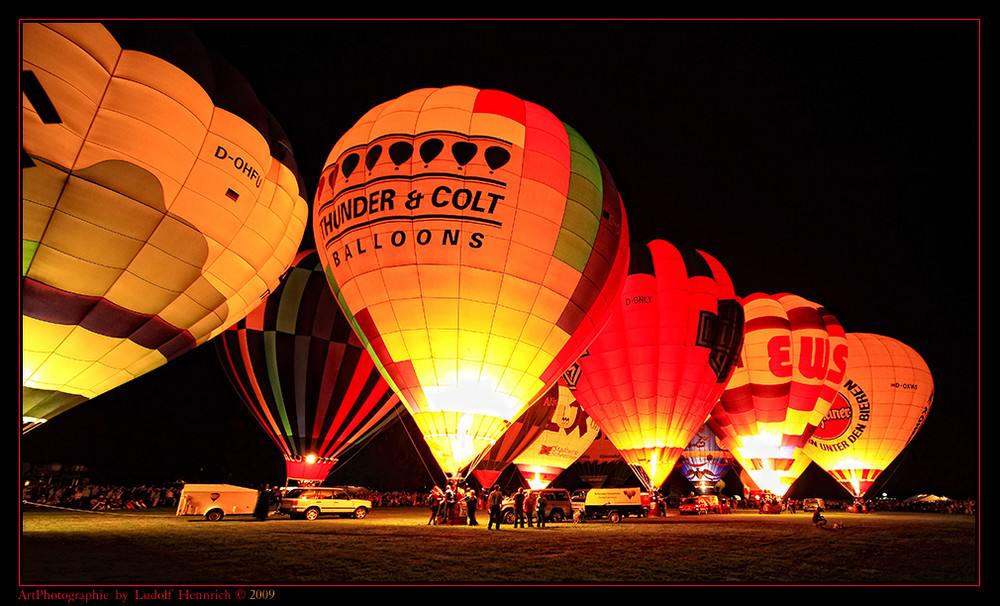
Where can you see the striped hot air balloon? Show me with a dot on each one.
(793, 359)
(305, 376)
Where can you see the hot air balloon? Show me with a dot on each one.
(704, 463)
(297, 364)
(476, 243)
(793, 359)
(878, 409)
(650, 378)
(566, 435)
(160, 204)
(521, 433)
(601, 465)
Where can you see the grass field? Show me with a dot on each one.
(394, 546)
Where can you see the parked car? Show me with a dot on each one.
(693, 505)
(311, 503)
(558, 506)
(812, 504)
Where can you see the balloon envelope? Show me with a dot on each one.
(519, 435)
(793, 359)
(160, 204)
(650, 378)
(704, 462)
(879, 408)
(601, 465)
(297, 364)
(566, 435)
(475, 242)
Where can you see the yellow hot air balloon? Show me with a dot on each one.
(160, 204)
(794, 357)
(475, 242)
(879, 408)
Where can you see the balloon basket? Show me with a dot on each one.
(455, 516)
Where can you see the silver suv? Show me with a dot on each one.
(310, 503)
(558, 505)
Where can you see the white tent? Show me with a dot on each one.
(925, 498)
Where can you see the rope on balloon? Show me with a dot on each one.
(94, 511)
(416, 448)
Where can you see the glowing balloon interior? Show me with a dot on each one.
(160, 204)
(475, 242)
(793, 359)
(650, 378)
(305, 376)
(878, 410)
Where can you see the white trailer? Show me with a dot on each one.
(214, 501)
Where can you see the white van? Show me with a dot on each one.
(214, 501)
(615, 503)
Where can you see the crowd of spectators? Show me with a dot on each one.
(82, 494)
(77, 492)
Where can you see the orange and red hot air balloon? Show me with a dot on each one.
(651, 377)
(879, 408)
(476, 243)
(793, 359)
(160, 204)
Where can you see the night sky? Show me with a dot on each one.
(834, 159)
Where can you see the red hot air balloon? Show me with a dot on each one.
(160, 204)
(793, 359)
(305, 375)
(476, 243)
(651, 377)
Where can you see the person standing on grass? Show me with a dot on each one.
(433, 500)
(449, 504)
(470, 507)
(519, 508)
(529, 507)
(540, 504)
(263, 504)
(494, 501)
